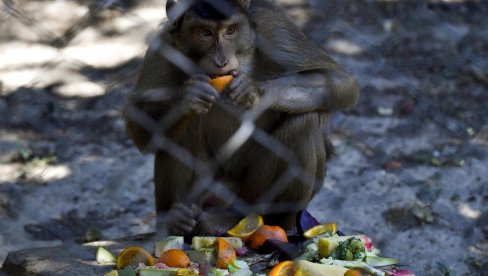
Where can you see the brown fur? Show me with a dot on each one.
(275, 174)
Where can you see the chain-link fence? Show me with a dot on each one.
(71, 70)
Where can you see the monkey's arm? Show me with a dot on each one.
(164, 100)
(311, 91)
(149, 112)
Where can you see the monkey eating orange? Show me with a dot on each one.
(269, 57)
(221, 82)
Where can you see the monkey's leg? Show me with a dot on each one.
(173, 180)
(283, 188)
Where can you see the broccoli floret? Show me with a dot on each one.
(356, 245)
(348, 256)
(349, 250)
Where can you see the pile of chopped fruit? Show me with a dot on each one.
(316, 249)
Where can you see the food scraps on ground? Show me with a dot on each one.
(315, 249)
(246, 227)
(225, 253)
(175, 258)
(267, 232)
(134, 256)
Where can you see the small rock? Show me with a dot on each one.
(384, 111)
(422, 212)
(392, 165)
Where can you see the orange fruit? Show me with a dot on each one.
(221, 82)
(133, 256)
(267, 232)
(246, 227)
(225, 253)
(175, 258)
(352, 272)
(282, 269)
(320, 229)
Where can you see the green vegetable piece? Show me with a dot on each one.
(171, 242)
(237, 267)
(350, 250)
(302, 267)
(203, 256)
(217, 272)
(151, 271)
(112, 273)
(380, 261)
(311, 252)
(356, 245)
(198, 243)
(354, 264)
(104, 256)
(128, 271)
(375, 251)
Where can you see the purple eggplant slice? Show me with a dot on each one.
(305, 221)
(285, 250)
(297, 239)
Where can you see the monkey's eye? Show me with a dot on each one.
(205, 34)
(231, 30)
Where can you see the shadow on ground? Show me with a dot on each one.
(412, 156)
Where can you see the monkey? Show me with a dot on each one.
(260, 146)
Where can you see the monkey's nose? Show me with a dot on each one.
(221, 62)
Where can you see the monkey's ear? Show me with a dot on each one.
(169, 4)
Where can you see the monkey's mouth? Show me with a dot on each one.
(221, 74)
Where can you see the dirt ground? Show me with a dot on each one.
(411, 169)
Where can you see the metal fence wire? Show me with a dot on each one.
(238, 155)
(229, 156)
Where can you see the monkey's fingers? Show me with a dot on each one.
(184, 210)
(197, 211)
(187, 224)
(207, 91)
(201, 77)
(232, 86)
(199, 106)
(246, 99)
(179, 228)
(182, 220)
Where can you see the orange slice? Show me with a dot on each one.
(282, 269)
(220, 82)
(133, 256)
(267, 232)
(175, 258)
(320, 229)
(352, 272)
(225, 253)
(246, 227)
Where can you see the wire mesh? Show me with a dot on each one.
(420, 63)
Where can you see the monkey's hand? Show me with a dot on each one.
(242, 91)
(215, 223)
(198, 95)
(180, 220)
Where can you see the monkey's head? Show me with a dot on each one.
(215, 34)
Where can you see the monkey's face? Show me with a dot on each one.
(219, 47)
